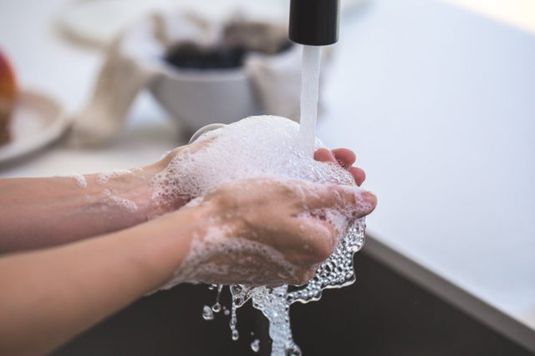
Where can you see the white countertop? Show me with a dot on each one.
(439, 104)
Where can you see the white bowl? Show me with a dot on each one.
(197, 98)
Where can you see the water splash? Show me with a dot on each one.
(216, 308)
(274, 303)
(310, 83)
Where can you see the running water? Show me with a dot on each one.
(336, 272)
(310, 83)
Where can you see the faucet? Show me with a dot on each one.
(314, 22)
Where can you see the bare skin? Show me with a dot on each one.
(26, 222)
(80, 213)
(303, 239)
(55, 293)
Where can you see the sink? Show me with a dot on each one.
(383, 313)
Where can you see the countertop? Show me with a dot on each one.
(439, 103)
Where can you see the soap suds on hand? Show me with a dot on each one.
(80, 180)
(259, 147)
(120, 202)
(255, 147)
(103, 178)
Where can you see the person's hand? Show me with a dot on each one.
(340, 156)
(173, 202)
(270, 232)
(343, 157)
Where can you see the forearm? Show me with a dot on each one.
(50, 296)
(42, 212)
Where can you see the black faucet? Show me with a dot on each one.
(314, 22)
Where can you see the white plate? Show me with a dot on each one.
(96, 22)
(37, 121)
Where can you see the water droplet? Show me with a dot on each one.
(235, 335)
(336, 272)
(207, 313)
(255, 345)
(293, 350)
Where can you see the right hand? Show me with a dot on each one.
(270, 232)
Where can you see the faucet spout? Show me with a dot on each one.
(314, 22)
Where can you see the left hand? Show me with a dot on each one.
(342, 156)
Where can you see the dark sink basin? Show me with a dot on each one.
(383, 313)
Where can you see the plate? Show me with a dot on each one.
(37, 121)
(97, 22)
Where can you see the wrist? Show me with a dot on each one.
(139, 188)
(166, 242)
(126, 195)
(164, 187)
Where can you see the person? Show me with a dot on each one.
(71, 257)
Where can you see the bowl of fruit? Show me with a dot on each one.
(29, 120)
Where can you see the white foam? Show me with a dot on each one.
(203, 264)
(120, 202)
(255, 147)
(103, 178)
(80, 180)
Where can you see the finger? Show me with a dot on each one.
(358, 175)
(351, 201)
(355, 203)
(324, 155)
(317, 240)
(344, 156)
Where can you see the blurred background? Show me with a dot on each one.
(436, 97)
